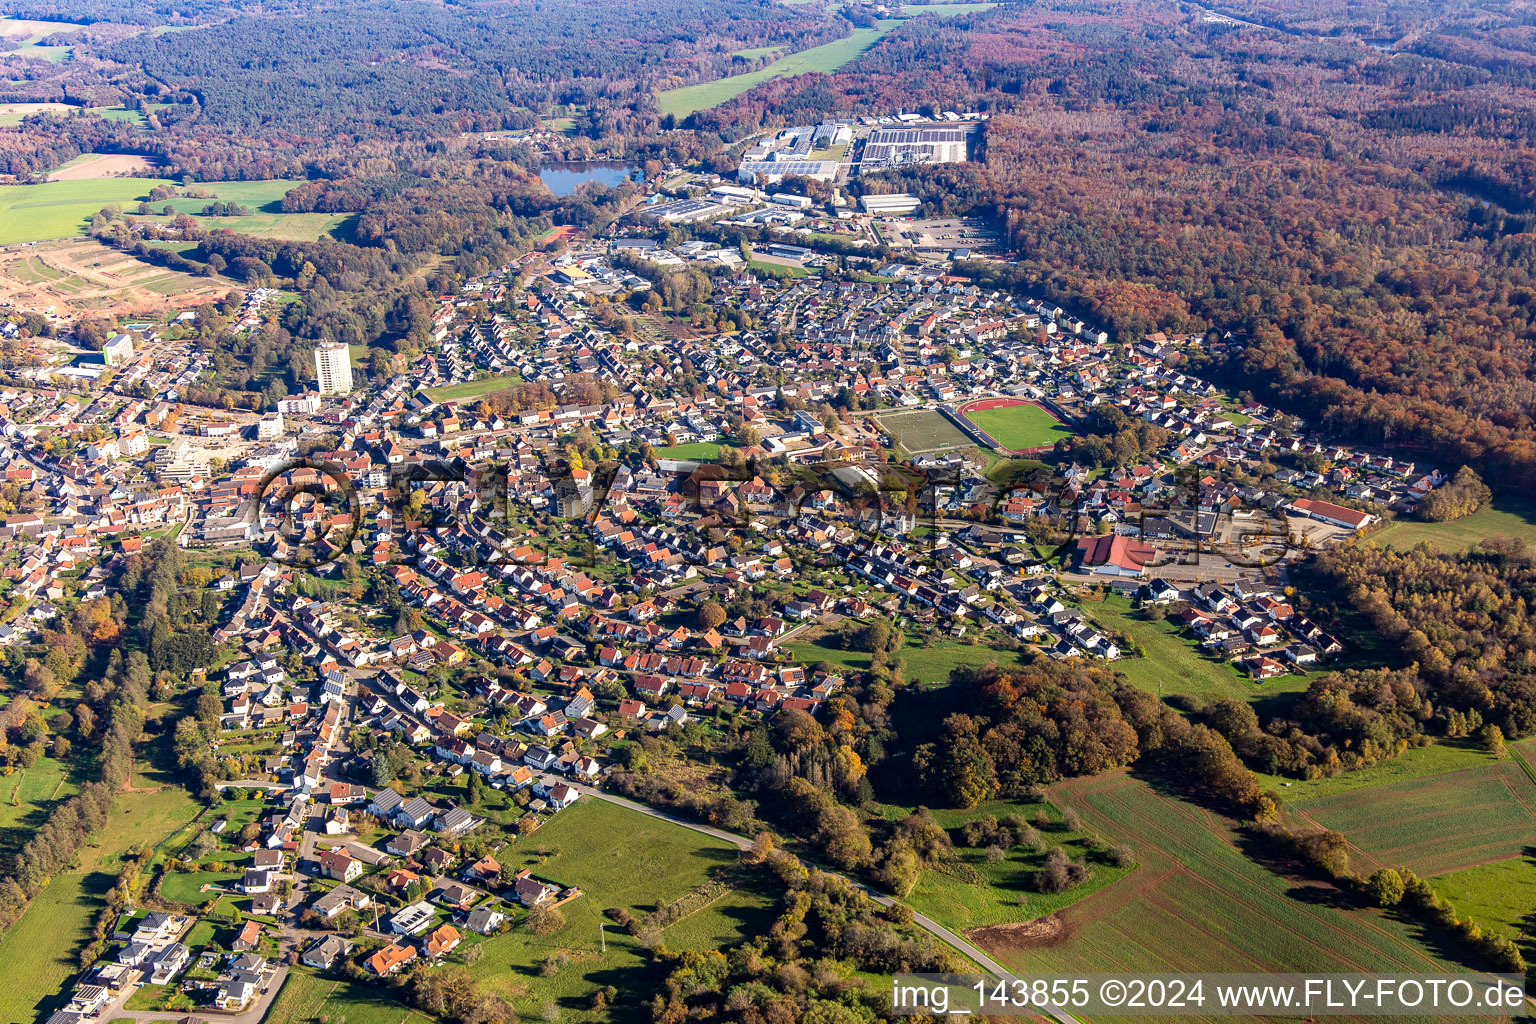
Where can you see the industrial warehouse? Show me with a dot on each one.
(833, 150)
(888, 148)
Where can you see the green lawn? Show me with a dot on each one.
(186, 886)
(473, 388)
(1453, 821)
(1174, 664)
(620, 858)
(158, 998)
(1020, 427)
(1509, 516)
(707, 451)
(828, 57)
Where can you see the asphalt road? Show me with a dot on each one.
(254, 1015)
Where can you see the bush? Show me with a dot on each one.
(1060, 872)
(546, 921)
(1385, 888)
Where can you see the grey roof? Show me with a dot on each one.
(455, 819)
(417, 809)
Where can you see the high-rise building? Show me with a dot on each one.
(333, 368)
(118, 350)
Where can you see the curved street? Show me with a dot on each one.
(927, 924)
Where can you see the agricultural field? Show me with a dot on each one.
(12, 113)
(913, 10)
(1196, 902)
(102, 165)
(87, 277)
(973, 893)
(120, 114)
(657, 864)
(31, 34)
(266, 219)
(1454, 821)
(1509, 516)
(775, 265)
(1417, 763)
(827, 57)
(922, 430)
(308, 997)
(1017, 427)
(41, 949)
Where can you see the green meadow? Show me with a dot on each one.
(468, 389)
(1173, 664)
(828, 57)
(656, 864)
(1500, 896)
(1508, 516)
(41, 951)
(32, 34)
(927, 660)
(62, 209)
